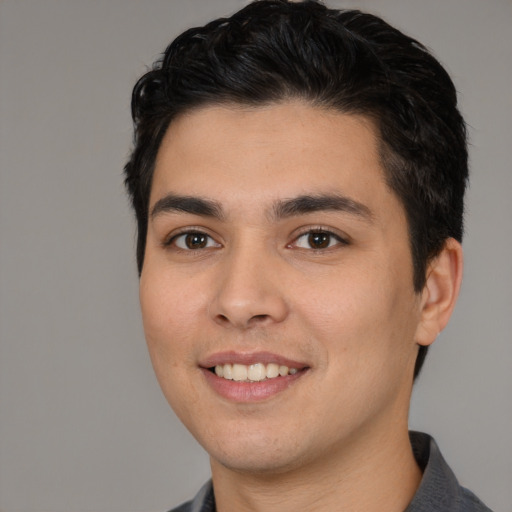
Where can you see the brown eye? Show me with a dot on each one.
(193, 241)
(319, 240)
(196, 240)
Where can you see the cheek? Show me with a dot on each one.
(169, 312)
(338, 306)
(362, 316)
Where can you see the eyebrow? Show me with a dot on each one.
(281, 209)
(188, 204)
(305, 204)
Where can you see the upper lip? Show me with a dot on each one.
(248, 358)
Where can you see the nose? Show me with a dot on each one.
(249, 291)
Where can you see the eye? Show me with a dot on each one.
(192, 240)
(318, 240)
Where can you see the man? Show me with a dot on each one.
(298, 179)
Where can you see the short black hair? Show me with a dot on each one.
(346, 60)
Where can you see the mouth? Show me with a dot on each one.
(251, 377)
(256, 372)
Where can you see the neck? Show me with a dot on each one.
(371, 473)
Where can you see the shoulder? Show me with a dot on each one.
(470, 503)
(439, 489)
(184, 507)
(204, 501)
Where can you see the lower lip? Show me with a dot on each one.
(245, 392)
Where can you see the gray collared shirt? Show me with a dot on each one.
(439, 490)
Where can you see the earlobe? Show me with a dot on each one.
(444, 277)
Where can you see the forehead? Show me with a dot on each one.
(255, 155)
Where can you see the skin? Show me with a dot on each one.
(336, 437)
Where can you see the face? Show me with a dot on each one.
(277, 289)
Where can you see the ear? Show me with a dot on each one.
(438, 298)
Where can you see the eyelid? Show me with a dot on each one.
(188, 230)
(341, 237)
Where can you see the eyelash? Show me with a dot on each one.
(329, 234)
(319, 230)
(171, 241)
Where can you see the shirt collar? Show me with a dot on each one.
(204, 500)
(439, 490)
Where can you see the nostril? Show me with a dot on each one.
(223, 318)
(259, 318)
(252, 321)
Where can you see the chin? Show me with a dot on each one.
(265, 463)
(257, 452)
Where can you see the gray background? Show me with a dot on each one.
(83, 425)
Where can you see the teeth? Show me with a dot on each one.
(272, 370)
(254, 372)
(227, 372)
(239, 372)
(257, 372)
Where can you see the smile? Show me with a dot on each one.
(254, 372)
(245, 377)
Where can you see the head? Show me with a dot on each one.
(297, 176)
(347, 61)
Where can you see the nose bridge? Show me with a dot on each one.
(248, 291)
